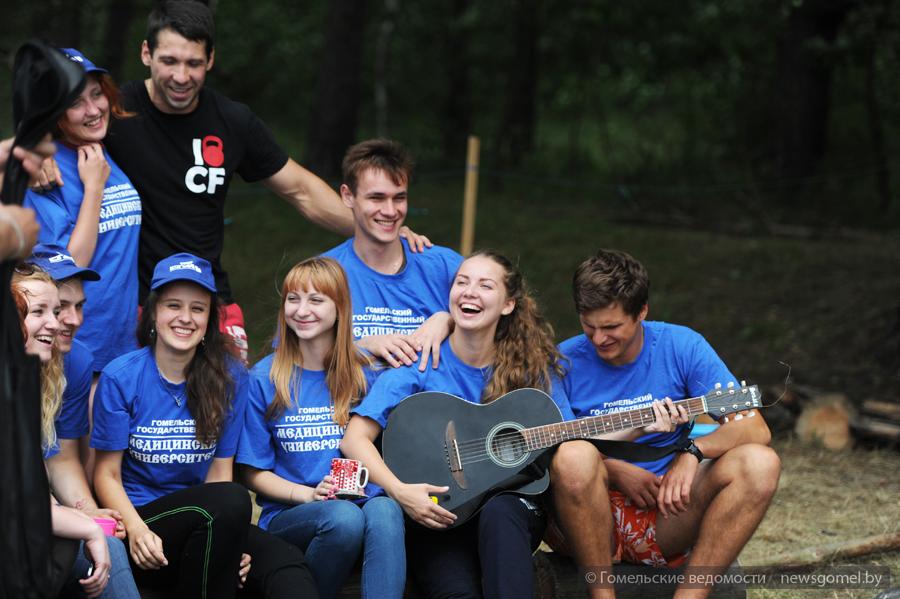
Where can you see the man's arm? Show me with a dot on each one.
(321, 205)
(311, 197)
(67, 478)
(18, 232)
(752, 428)
(674, 493)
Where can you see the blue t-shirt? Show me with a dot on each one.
(297, 446)
(72, 420)
(674, 362)
(110, 314)
(136, 411)
(452, 376)
(398, 303)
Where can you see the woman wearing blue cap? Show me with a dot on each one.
(96, 215)
(167, 419)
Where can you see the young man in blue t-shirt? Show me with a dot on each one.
(711, 506)
(399, 297)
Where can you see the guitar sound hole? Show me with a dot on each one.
(507, 446)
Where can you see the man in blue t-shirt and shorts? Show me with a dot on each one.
(711, 493)
(399, 297)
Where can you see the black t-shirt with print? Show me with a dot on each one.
(182, 166)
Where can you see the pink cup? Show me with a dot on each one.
(108, 525)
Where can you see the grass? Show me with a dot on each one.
(826, 305)
(828, 497)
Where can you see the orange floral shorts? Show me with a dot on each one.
(635, 533)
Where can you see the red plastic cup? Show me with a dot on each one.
(108, 525)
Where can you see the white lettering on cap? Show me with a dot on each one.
(186, 265)
(62, 258)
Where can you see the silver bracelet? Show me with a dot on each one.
(18, 230)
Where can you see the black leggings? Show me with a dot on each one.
(204, 530)
(489, 556)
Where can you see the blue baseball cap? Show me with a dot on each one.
(76, 56)
(57, 262)
(183, 267)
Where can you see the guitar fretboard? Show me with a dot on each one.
(549, 435)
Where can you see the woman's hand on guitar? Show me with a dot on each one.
(668, 416)
(416, 501)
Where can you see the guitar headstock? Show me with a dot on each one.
(723, 401)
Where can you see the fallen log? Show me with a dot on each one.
(873, 428)
(881, 409)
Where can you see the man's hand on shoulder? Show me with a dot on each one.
(393, 349)
(429, 336)
(417, 243)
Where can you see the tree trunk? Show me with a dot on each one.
(57, 22)
(332, 126)
(517, 131)
(114, 52)
(457, 109)
(804, 85)
(876, 129)
(382, 60)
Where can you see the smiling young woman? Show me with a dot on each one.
(95, 215)
(41, 298)
(305, 390)
(37, 300)
(499, 343)
(167, 419)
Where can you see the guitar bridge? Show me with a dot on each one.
(454, 461)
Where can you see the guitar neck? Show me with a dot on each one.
(549, 435)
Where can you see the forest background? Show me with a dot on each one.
(746, 150)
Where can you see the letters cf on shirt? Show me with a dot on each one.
(206, 174)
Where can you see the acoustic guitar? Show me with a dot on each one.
(480, 450)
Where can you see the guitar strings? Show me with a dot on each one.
(476, 450)
(472, 450)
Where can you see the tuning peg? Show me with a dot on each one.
(743, 383)
(718, 385)
(731, 384)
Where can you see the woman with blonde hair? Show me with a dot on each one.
(41, 301)
(101, 566)
(299, 401)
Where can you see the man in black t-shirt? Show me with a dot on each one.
(184, 145)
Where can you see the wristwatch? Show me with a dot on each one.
(692, 449)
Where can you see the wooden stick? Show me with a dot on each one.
(832, 551)
(871, 427)
(882, 409)
(471, 195)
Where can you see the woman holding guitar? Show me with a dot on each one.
(500, 343)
